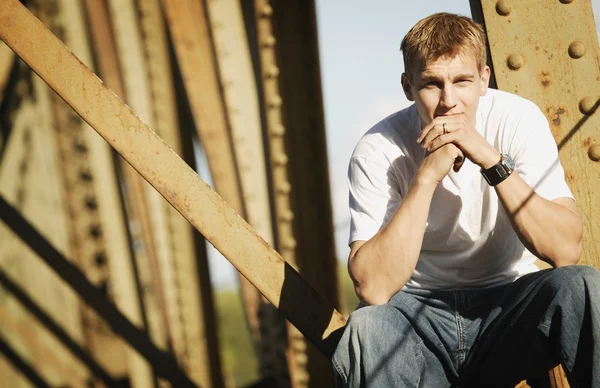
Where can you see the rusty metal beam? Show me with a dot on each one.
(238, 83)
(538, 52)
(162, 363)
(171, 176)
(297, 54)
(191, 35)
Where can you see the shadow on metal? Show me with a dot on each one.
(162, 363)
(53, 327)
(22, 365)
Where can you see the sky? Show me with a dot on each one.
(361, 65)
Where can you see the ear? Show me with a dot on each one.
(485, 80)
(406, 86)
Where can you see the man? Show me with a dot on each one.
(451, 201)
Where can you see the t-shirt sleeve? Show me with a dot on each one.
(374, 197)
(535, 154)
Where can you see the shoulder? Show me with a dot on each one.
(498, 103)
(389, 138)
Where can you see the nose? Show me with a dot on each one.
(448, 97)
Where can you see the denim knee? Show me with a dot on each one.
(366, 318)
(574, 278)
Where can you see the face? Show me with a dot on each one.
(447, 86)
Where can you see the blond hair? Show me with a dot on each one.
(443, 35)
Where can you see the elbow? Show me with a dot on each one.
(370, 296)
(569, 254)
(370, 287)
(368, 290)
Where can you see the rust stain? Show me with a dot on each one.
(569, 177)
(587, 142)
(554, 114)
(545, 79)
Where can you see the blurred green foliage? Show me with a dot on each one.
(239, 363)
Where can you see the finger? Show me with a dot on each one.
(434, 132)
(440, 141)
(425, 131)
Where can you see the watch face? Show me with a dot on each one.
(508, 161)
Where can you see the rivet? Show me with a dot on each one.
(301, 359)
(594, 152)
(577, 49)
(272, 72)
(86, 175)
(515, 61)
(290, 243)
(275, 102)
(267, 11)
(79, 145)
(278, 130)
(503, 7)
(587, 105)
(299, 345)
(287, 216)
(566, 1)
(95, 231)
(284, 188)
(280, 160)
(269, 41)
(91, 203)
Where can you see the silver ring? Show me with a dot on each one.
(444, 128)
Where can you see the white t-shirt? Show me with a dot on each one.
(468, 241)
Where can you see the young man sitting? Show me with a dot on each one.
(452, 200)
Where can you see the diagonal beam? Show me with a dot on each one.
(170, 175)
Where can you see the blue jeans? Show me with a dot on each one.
(489, 337)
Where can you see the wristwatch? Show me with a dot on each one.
(500, 171)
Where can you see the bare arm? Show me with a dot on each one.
(381, 266)
(551, 230)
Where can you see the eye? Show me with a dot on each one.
(431, 84)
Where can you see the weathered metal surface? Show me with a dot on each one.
(236, 75)
(148, 228)
(29, 179)
(295, 31)
(189, 300)
(180, 185)
(190, 33)
(282, 188)
(555, 62)
(98, 236)
(7, 60)
(538, 52)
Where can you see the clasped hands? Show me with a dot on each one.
(451, 139)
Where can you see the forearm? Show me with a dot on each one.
(549, 230)
(384, 264)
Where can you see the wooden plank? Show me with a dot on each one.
(237, 80)
(539, 53)
(170, 175)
